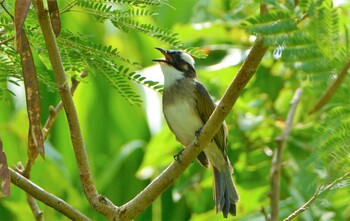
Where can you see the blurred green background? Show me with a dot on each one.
(129, 145)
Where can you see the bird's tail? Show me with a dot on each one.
(225, 193)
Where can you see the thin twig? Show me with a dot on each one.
(38, 214)
(314, 197)
(46, 129)
(302, 18)
(54, 111)
(265, 214)
(100, 203)
(7, 40)
(3, 6)
(281, 141)
(332, 88)
(68, 7)
(25, 172)
(134, 207)
(45, 197)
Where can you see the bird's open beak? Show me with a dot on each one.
(168, 59)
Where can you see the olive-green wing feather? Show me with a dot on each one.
(205, 107)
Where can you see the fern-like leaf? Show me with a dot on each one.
(123, 18)
(334, 132)
(311, 46)
(10, 71)
(79, 54)
(274, 22)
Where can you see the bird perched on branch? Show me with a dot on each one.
(187, 106)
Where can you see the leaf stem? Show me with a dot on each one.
(7, 40)
(3, 6)
(332, 88)
(314, 197)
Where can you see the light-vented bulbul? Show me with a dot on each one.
(187, 106)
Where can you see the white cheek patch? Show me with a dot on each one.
(186, 57)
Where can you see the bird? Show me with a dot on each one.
(187, 106)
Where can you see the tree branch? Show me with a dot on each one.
(99, 202)
(134, 207)
(45, 197)
(38, 214)
(25, 172)
(281, 141)
(146, 197)
(328, 94)
(314, 197)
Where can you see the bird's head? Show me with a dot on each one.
(176, 65)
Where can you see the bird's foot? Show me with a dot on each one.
(198, 132)
(177, 156)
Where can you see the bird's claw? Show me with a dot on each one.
(198, 132)
(177, 156)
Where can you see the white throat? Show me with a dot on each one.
(171, 74)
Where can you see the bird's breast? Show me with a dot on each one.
(181, 115)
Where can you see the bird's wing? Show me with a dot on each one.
(205, 107)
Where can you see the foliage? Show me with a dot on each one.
(305, 39)
(112, 40)
(332, 133)
(79, 53)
